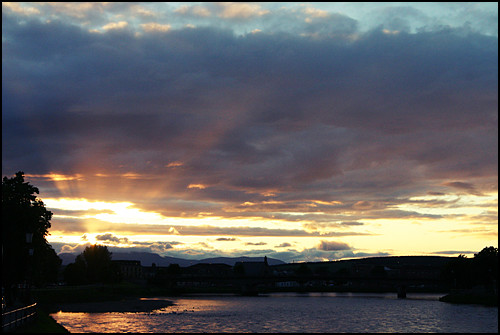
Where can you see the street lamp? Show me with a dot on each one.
(29, 244)
(29, 241)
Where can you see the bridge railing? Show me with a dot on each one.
(17, 317)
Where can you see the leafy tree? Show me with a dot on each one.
(485, 265)
(378, 271)
(98, 261)
(174, 269)
(322, 270)
(463, 272)
(22, 213)
(75, 273)
(239, 269)
(303, 270)
(93, 265)
(458, 272)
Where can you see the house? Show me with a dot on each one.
(207, 270)
(129, 269)
(361, 270)
(205, 275)
(252, 269)
(150, 272)
(287, 284)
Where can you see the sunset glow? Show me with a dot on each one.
(302, 132)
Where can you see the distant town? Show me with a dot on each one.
(254, 275)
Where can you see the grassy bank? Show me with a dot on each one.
(49, 298)
(43, 323)
(93, 293)
(471, 298)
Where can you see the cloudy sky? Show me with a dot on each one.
(304, 132)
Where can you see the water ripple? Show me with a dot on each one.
(353, 313)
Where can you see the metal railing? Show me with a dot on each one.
(17, 317)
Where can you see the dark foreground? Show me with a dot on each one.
(43, 323)
(471, 298)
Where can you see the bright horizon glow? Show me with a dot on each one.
(122, 213)
(407, 236)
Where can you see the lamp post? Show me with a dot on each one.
(29, 241)
(29, 244)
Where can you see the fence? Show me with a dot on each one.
(15, 318)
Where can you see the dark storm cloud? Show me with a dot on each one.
(252, 117)
(72, 225)
(226, 239)
(111, 238)
(333, 246)
(467, 187)
(255, 243)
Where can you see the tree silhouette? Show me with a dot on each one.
(458, 272)
(303, 270)
(75, 273)
(174, 269)
(485, 265)
(93, 265)
(27, 257)
(463, 272)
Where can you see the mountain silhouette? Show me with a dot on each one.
(148, 258)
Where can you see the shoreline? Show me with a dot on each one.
(471, 298)
(130, 305)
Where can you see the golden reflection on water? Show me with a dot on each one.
(196, 305)
(296, 313)
(135, 321)
(99, 322)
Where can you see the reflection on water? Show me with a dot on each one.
(290, 312)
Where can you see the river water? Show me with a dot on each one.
(294, 312)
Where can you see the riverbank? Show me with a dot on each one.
(94, 293)
(43, 323)
(471, 298)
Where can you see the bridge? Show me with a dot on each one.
(252, 285)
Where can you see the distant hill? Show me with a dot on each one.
(393, 262)
(232, 260)
(67, 258)
(147, 259)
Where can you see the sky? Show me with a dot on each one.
(298, 131)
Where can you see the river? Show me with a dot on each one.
(294, 312)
